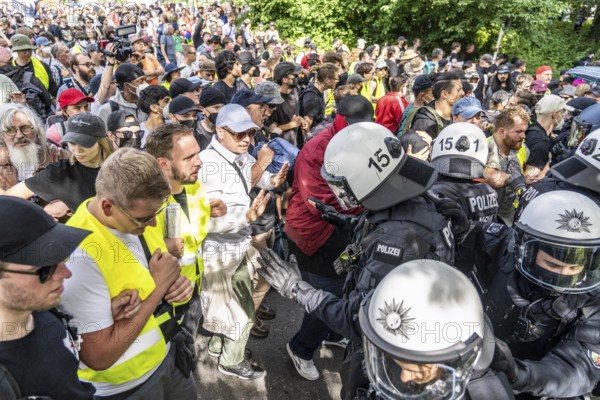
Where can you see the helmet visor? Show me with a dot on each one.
(340, 188)
(568, 269)
(579, 130)
(397, 379)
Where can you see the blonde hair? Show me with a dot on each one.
(106, 149)
(129, 175)
(582, 89)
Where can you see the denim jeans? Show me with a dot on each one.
(313, 331)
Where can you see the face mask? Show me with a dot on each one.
(559, 125)
(46, 49)
(188, 122)
(295, 82)
(139, 89)
(83, 43)
(135, 143)
(212, 117)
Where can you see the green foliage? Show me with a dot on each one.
(534, 32)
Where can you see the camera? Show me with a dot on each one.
(122, 50)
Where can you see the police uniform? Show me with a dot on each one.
(554, 336)
(478, 200)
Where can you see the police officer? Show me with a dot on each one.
(413, 304)
(545, 298)
(459, 154)
(579, 173)
(402, 223)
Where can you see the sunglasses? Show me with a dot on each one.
(141, 222)
(129, 134)
(240, 136)
(44, 273)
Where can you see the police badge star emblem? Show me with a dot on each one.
(594, 358)
(573, 221)
(394, 318)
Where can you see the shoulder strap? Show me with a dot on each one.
(438, 119)
(237, 169)
(9, 389)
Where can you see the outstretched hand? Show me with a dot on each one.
(282, 276)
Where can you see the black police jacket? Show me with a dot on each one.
(478, 200)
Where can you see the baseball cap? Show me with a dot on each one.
(181, 105)
(84, 129)
(216, 39)
(270, 89)
(246, 97)
(543, 69)
(550, 104)
(247, 58)
(422, 82)
(380, 64)
(41, 41)
(595, 90)
(95, 83)
(355, 78)
(468, 107)
(183, 85)
(356, 108)
(581, 103)
(235, 118)
(207, 65)
(211, 96)
(127, 72)
(567, 90)
(284, 69)
(118, 119)
(539, 86)
(503, 69)
(30, 236)
(72, 96)
(21, 42)
(91, 48)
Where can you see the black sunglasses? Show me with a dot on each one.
(43, 273)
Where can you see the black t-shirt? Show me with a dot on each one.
(43, 362)
(312, 105)
(202, 136)
(425, 121)
(71, 184)
(539, 145)
(181, 199)
(284, 113)
(229, 92)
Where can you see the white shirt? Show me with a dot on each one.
(221, 180)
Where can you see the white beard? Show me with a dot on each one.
(26, 159)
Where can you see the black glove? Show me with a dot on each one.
(331, 215)
(517, 183)
(451, 209)
(503, 361)
(185, 352)
(282, 276)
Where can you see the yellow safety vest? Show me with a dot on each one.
(364, 91)
(39, 71)
(380, 88)
(193, 231)
(121, 271)
(352, 68)
(329, 102)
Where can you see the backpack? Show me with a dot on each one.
(412, 113)
(37, 99)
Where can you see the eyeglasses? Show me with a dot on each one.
(89, 65)
(240, 136)
(141, 222)
(44, 273)
(25, 130)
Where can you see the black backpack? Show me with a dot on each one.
(35, 94)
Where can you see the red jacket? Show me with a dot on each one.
(389, 111)
(304, 224)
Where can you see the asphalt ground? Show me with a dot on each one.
(281, 380)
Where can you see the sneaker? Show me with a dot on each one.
(243, 370)
(343, 343)
(306, 368)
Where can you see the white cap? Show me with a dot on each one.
(550, 104)
(235, 118)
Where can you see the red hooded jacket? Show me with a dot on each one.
(304, 224)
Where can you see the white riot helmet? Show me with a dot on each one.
(582, 169)
(365, 165)
(558, 242)
(460, 151)
(423, 331)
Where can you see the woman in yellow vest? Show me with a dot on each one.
(368, 88)
(24, 49)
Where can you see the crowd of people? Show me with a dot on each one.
(163, 167)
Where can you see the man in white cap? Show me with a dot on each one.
(229, 173)
(550, 111)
